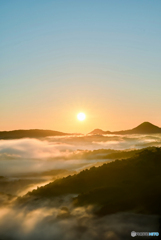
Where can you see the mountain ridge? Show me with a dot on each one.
(31, 133)
(112, 187)
(143, 128)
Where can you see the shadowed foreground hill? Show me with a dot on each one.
(33, 133)
(123, 185)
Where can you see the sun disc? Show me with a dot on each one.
(81, 116)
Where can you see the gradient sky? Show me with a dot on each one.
(60, 57)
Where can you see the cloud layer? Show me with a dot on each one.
(28, 163)
(22, 159)
(59, 220)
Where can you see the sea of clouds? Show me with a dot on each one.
(39, 155)
(58, 219)
(28, 163)
(34, 162)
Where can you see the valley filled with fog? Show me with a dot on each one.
(27, 164)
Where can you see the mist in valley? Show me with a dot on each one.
(26, 164)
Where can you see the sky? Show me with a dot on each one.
(62, 57)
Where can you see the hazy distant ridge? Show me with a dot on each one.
(33, 133)
(144, 128)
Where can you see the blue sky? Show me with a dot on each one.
(61, 57)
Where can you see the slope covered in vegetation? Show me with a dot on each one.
(132, 184)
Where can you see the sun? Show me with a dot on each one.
(81, 116)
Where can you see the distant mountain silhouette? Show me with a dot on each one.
(99, 131)
(33, 133)
(144, 128)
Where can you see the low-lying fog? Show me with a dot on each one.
(60, 221)
(28, 163)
